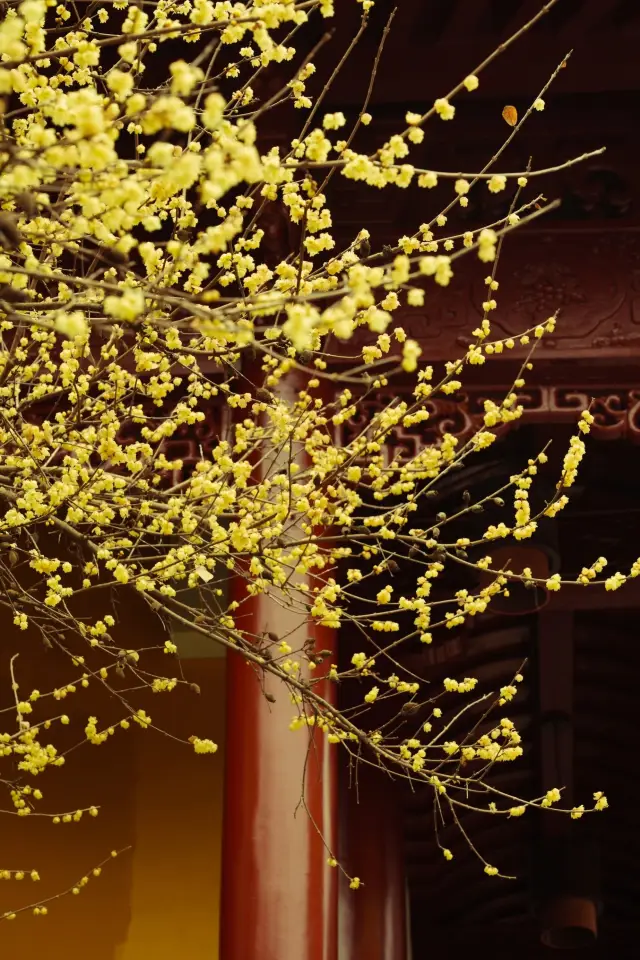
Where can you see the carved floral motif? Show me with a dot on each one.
(591, 279)
(616, 413)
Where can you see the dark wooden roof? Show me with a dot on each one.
(433, 41)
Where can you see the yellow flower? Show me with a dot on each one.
(497, 183)
(214, 107)
(411, 352)
(551, 796)
(444, 109)
(120, 83)
(184, 77)
(204, 746)
(128, 306)
(428, 180)
(71, 324)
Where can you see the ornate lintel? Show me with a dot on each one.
(616, 414)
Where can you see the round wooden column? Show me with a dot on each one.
(279, 896)
(373, 921)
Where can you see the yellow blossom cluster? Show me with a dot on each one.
(181, 402)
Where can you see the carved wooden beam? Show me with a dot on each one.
(616, 412)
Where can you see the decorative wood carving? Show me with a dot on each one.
(190, 443)
(616, 412)
(592, 279)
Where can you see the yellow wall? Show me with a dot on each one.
(161, 899)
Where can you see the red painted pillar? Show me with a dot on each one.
(373, 922)
(279, 896)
